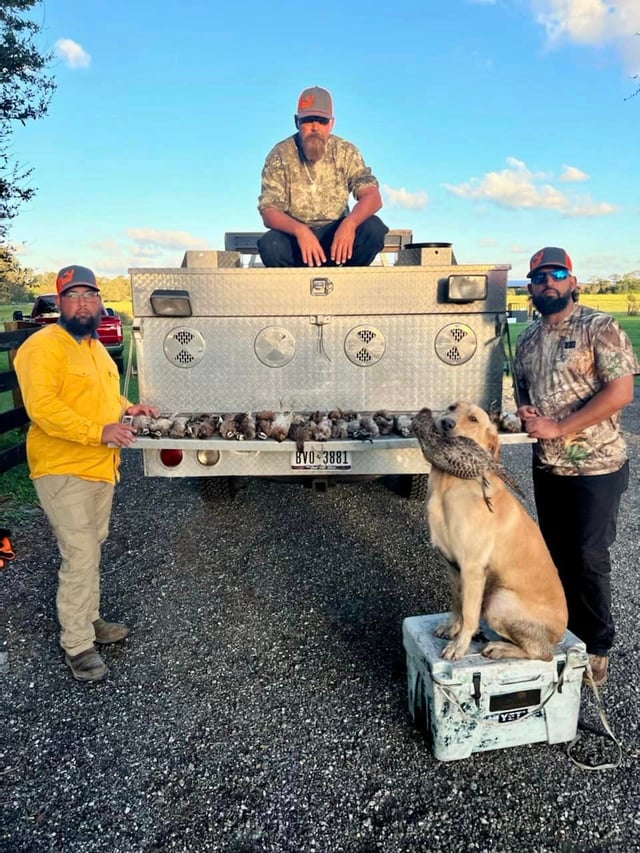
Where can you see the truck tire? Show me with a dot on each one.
(219, 489)
(411, 486)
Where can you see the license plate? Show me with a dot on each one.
(320, 459)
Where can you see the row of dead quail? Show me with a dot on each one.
(297, 427)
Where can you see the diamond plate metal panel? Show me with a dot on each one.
(288, 292)
(304, 339)
(230, 377)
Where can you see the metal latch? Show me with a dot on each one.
(321, 286)
(321, 320)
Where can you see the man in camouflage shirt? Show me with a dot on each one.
(574, 371)
(306, 182)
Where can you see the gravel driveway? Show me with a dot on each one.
(260, 702)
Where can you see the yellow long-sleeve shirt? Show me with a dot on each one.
(71, 391)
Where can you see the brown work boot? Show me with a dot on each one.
(109, 632)
(599, 669)
(87, 666)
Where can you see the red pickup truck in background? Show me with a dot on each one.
(45, 310)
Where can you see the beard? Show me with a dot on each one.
(547, 305)
(81, 327)
(314, 146)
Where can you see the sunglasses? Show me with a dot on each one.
(314, 120)
(556, 275)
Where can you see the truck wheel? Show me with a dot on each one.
(411, 486)
(219, 489)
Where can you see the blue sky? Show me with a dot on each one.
(497, 125)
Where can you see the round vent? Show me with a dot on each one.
(275, 346)
(364, 345)
(184, 347)
(456, 343)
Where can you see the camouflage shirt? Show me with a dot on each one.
(561, 367)
(313, 193)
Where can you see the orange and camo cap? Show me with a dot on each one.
(315, 102)
(75, 275)
(550, 256)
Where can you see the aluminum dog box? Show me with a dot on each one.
(214, 336)
(476, 704)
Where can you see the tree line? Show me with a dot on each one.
(19, 285)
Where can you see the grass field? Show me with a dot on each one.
(16, 490)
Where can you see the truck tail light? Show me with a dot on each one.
(171, 457)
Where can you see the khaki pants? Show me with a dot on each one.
(79, 512)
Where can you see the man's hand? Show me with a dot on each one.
(312, 252)
(539, 427)
(142, 409)
(527, 411)
(118, 434)
(343, 240)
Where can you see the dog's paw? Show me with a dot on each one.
(455, 650)
(498, 650)
(448, 630)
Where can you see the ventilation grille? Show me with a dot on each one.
(456, 344)
(184, 347)
(364, 345)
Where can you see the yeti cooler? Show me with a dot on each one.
(475, 704)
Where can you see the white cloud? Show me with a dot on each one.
(74, 55)
(518, 187)
(151, 238)
(571, 174)
(598, 23)
(403, 198)
(586, 206)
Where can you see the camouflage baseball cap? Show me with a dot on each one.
(550, 256)
(315, 102)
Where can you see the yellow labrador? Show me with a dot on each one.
(500, 567)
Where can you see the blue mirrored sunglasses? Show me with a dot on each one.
(556, 275)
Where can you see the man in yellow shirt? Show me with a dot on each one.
(71, 390)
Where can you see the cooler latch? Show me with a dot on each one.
(476, 689)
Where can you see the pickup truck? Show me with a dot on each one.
(218, 338)
(45, 310)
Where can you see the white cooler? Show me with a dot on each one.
(475, 704)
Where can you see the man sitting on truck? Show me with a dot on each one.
(306, 182)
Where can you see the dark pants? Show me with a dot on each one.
(578, 517)
(278, 249)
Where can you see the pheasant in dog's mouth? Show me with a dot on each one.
(459, 455)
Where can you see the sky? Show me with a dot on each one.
(499, 126)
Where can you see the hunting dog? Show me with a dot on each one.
(499, 565)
